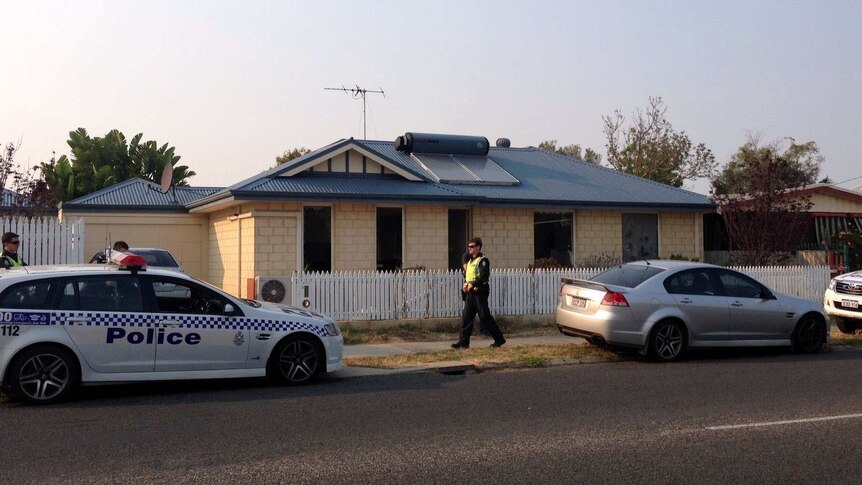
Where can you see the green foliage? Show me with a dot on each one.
(755, 169)
(289, 155)
(98, 162)
(574, 151)
(853, 239)
(681, 257)
(652, 149)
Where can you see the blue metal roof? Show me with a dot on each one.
(545, 179)
(350, 185)
(142, 194)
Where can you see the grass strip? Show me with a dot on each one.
(839, 338)
(528, 355)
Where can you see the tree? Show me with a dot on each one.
(652, 149)
(98, 162)
(29, 194)
(289, 155)
(757, 193)
(150, 159)
(573, 151)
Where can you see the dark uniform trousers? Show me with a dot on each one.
(477, 302)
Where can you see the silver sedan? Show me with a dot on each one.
(664, 307)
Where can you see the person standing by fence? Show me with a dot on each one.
(477, 289)
(10, 258)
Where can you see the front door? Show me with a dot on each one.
(194, 333)
(705, 309)
(753, 317)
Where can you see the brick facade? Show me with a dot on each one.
(598, 236)
(426, 240)
(679, 233)
(507, 235)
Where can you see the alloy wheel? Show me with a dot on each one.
(43, 377)
(668, 342)
(298, 361)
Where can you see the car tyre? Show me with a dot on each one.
(667, 341)
(809, 335)
(296, 360)
(44, 374)
(846, 325)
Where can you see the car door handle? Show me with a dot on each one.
(77, 321)
(736, 303)
(169, 323)
(263, 336)
(686, 300)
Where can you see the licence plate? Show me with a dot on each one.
(849, 304)
(579, 302)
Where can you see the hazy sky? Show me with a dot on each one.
(233, 84)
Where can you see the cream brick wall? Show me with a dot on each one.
(275, 245)
(426, 236)
(355, 237)
(185, 236)
(507, 235)
(678, 234)
(224, 251)
(597, 233)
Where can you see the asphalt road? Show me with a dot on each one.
(750, 417)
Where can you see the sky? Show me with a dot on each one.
(231, 85)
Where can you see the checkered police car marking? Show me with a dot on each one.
(151, 320)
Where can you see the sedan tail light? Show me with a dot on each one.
(614, 298)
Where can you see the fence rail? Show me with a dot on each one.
(46, 240)
(430, 294)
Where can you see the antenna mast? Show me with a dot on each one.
(358, 93)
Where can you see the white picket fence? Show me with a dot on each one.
(46, 240)
(429, 294)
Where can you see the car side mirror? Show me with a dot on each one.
(767, 295)
(228, 309)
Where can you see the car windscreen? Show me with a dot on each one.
(627, 276)
(156, 258)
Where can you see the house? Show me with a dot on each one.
(377, 205)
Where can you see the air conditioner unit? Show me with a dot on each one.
(274, 289)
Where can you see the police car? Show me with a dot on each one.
(63, 326)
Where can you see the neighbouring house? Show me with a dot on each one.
(362, 205)
(834, 210)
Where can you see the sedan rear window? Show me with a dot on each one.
(628, 276)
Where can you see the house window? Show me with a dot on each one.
(552, 236)
(640, 237)
(389, 227)
(457, 237)
(317, 238)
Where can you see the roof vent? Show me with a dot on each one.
(442, 144)
(503, 142)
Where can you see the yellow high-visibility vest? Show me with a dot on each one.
(472, 266)
(14, 262)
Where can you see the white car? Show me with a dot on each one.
(63, 326)
(843, 301)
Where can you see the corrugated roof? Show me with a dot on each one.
(141, 193)
(545, 179)
(341, 185)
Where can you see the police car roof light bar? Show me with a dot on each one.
(128, 261)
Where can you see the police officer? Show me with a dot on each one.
(10, 258)
(477, 288)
